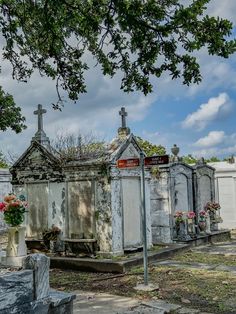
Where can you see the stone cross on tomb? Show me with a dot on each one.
(40, 135)
(40, 113)
(123, 114)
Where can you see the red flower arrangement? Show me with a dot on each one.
(212, 206)
(202, 215)
(191, 215)
(13, 209)
(179, 217)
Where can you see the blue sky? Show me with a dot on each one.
(200, 119)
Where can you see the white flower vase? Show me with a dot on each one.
(208, 224)
(16, 246)
(191, 227)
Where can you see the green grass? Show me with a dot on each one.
(189, 257)
(211, 291)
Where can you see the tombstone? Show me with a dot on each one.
(181, 187)
(90, 200)
(171, 191)
(204, 188)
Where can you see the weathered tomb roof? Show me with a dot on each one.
(125, 147)
(38, 161)
(35, 164)
(31, 154)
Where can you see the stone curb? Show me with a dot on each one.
(108, 265)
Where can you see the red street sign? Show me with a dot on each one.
(128, 163)
(156, 160)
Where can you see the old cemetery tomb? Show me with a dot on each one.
(95, 204)
(89, 204)
(225, 190)
(171, 191)
(179, 195)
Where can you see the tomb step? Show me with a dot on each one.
(34, 244)
(133, 249)
(77, 246)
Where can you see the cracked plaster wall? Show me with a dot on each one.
(161, 207)
(57, 209)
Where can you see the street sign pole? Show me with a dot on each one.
(148, 162)
(144, 224)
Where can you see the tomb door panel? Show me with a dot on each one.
(81, 209)
(227, 200)
(181, 200)
(205, 190)
(57, 214)
(131, 212)
(37, 215)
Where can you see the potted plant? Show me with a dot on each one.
(180, 220)
(179, 217)
(212, 208)
(202, 215)
(191, 215)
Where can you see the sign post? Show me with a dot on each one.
(144, 161)
(144, 224)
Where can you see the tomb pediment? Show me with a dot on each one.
(126, 149)
(36, 156)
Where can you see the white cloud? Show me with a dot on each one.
(97, 111)
(224, 145)
(208, 152)
(225, 9)
(215, 108)
(212, 139)
(214, 151)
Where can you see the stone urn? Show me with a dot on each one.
(175, 150)
(202, 225)
(208, 224)
(191, 227)
(16, 246)
(181, 231)
(213, 222)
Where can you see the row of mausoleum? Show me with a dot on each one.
(91, 198)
